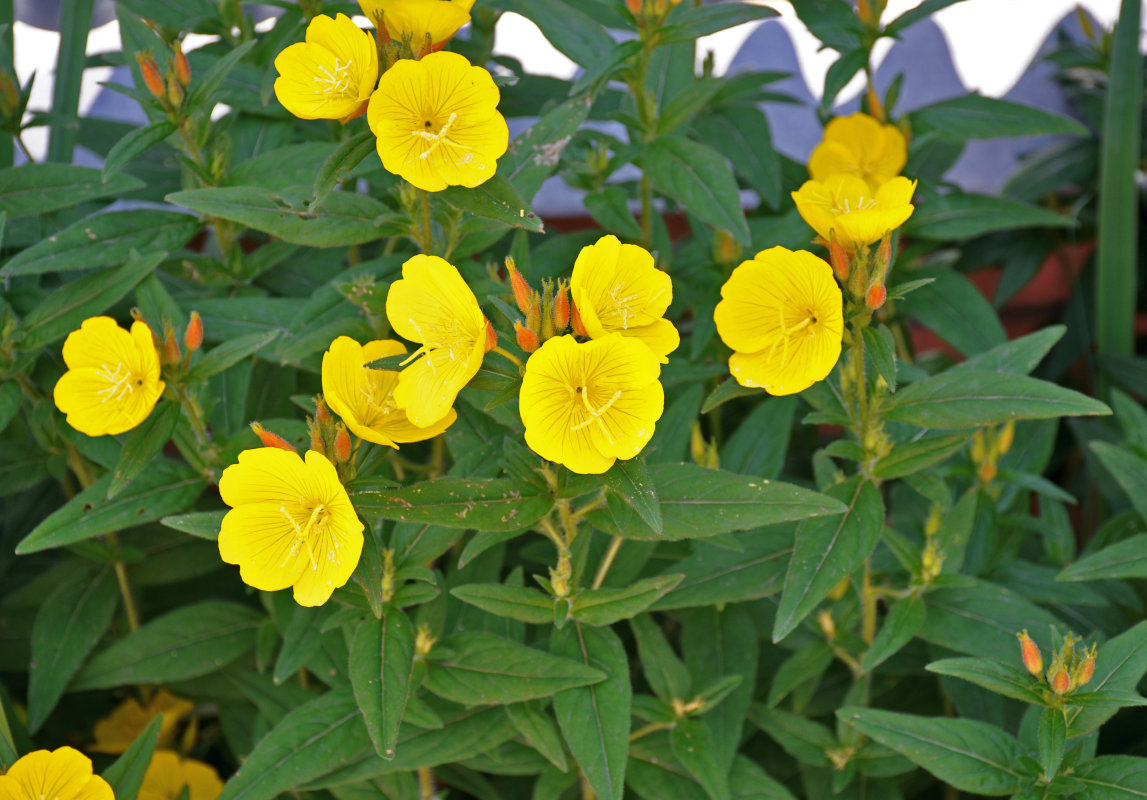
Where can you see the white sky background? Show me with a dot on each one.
(992, 43)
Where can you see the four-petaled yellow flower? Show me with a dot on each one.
(421, 25)
(168, 775)
(859, 145)
(781, 313)
(585, 405)
(364, 396)
(63, 774)
(437, 122)
(845, 209)
(617, 289)
(432, 305)
(332, 74)
(290, 524)
(112, 382)
(116, 732)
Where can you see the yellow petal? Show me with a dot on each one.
(415, 21)
(332, 74)
(62, 774)
(261, 541)
(167, 775)
(263, 475)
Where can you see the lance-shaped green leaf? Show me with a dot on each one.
(1051, 738)
(1019, 356)
(67, 627)
(40, 188)
(163, 489)
(716, 574)
(828, 549)
(515, 602)
(186, 643)
(693, 745)
(702, 21)
(808, 662)
(966, 399)
(971, 116)
(495, 199)
(1129, 470)
(699, 502)
(134, 144)
(346, 157)
(964, 216)
(488, 504)
(204, 524)
(568, 28)
(301, 633)
(630, 480)
(904, 620)
(982, 618)
(1125, 559)
(125, 774)
(1114, 777)
(993, 676)
(534, 155)
(230, 353)
(697, 177)
(910, 457)
(482, 668)
(105, 239)
(595, 719)
(972, 756)
(1119, 666)
(213, 78)
(10, 399)
(540, 730)
(143, 445)
(381, 661)
(607, 606)
(802, 738)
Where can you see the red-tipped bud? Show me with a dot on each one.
(342, 444)
(323, 416)
(1029, 650)
(988, 471)
(317, 443)
(270, 439)
(182, 68)
(491, 337)
(151, 77)
(875, 296)
(171, 353)
(884, 256)
(575, 320)
(523, 294)
(841, 263)
(193, 336)
(1086, 670)
(527, 339)
(634, 6)
(561, 307)
(1059, 680)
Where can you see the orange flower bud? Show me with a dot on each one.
(562, 307)
(634, 6)
(884, 255)
(171, 352)
(527, 339)
(1029, 650)
(151, 77)
(1059, 680)
(342, 444)
(523, 294)
(575, 320)
(271, 439)
(182, 68)
(317, 443)
(1086, 670)
(322, 414)
(988, 471)
(193, 336)
(491, 337)
(841, 262)
(875, 296)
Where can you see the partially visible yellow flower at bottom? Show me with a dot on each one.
(63, 774)
(291, 523)
(116, 732)
(782, 315)
(845, 209)
(167, 775)
(585, 405)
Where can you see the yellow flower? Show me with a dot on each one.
(112, 382)
(437, 122)
(332, 74)
(588, 404)
(617, 289)
(859, 145)
(421, 25)
(290, 524)
(845, 208)
(63, 774)
(432, 305)
(364, 397)
(116, 732)
(168, 774)
(781, 313)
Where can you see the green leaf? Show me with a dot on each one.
(301, 631)
(1119, 666)
(693, 23)
(965, 216)
(540, 731)
(344, 218)
(310, 742)
(970, 116)
(105, 239)
(1125, 559)
(570, 30)
(204, 524)
(8, 752)
(993, 676)
(381, 662)
(833, 22)
(800, 737)
(827, 550)
(808, 662)
(981, 619)
(40, 188)
(716, 574)
(125, 774)
(1051, 738)
(699, 502)
(1129, 470)
(483, 668)
(743, 132)
(1113, 777)
(191, 641)
(879, 346)
(165, 488)
(206, 88)
(697, 177)
(971, 756)
(913, 456)
(487, 504)
(727, 390)
(495, 199)
(595, 719)
(607, 606)
(346, 157)
(70, 63)
(67, 627)
(905, 619)
(956, 311)
(230, 353)
(841, 72)
(67, 307)
(966, 399)
(132, 146)
(534, 154)
(749, 782)
(693, 746)
(914, 15)
(1019, 356)
(143, 445)
(761, 441)
(10, 399)
(630, 480)
(515, 602)
(609, 206)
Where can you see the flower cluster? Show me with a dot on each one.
(434, 114)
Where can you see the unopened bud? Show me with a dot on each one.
(316, 434)
(342, 444)
(322, 413)
(270, 439)
(827, 624)
(527, 339)
(935, 517)
(546, 323)
(171, 354)
(534, 316)
(884, 256)
(193, 335)
(182, 68)
(1058, 679)
(151, 77)
(423, 641)
(491, 336)
(1029, 650)
(523, 294)
(840, 590)
(841, 261)
(1086, 670)
(1005, 437)
(634, 6)
(697, 445)
(9, 93)
(979, 447)
(387, 575)
(987, 471)
(575, 320)
(726, 249)
(560, 576)
(875, 296)
(174, 92)
(562, 307)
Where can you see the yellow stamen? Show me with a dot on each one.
(595, 413)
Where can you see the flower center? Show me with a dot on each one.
(121, 382)
(314, 527)
(845, 205)
(787, 333)
(449, 337)
(380, 402)
(436, 138)
(333, 84)
(595, 413)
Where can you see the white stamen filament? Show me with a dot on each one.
(436, 139)
(316, 521)
(595, 413)
(120, 384)
(787, 333)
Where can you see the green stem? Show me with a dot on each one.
(606, 562)
(426, 234)
(508, 355)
